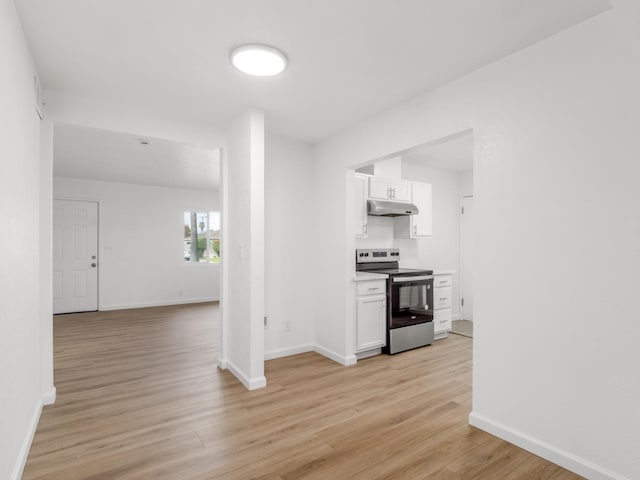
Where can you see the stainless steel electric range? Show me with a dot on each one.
(409, 298)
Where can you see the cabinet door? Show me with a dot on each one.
(442, 297)
(379, 188)
(442, 281)
(401, 191)
(360, 205)
(422, 222)
(371, 316)
(442, 320)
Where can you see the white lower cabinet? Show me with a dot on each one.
(442, 321)
(442, 302)
(371, 315)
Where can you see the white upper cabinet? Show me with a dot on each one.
(421, 224)
(387, 189)
(423, 221)
(360, 204)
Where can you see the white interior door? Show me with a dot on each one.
(467, 249)
(75, 256)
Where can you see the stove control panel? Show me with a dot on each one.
(364, 255)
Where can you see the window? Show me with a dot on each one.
(202, 237)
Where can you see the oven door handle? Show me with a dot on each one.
(412, 279)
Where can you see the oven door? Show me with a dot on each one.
(411, 300)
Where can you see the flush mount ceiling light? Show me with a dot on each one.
(258, 60)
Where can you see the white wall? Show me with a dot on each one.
(141, 236)
(289, 220)
(556, 171)
(20, 320)
(243, 250)
(466, 183)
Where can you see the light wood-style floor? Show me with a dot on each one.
(140, 397)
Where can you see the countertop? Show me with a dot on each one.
(362, 276)
(444, 272)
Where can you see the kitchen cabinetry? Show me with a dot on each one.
(442, 302)
(360, 192)
(419, 225)
(371, 315)
(387, 189)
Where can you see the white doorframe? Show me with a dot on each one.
(466, 273)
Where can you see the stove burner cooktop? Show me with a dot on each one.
(401, 271)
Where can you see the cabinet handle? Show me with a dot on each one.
(394, 192)
(443, 298)
(374, 288)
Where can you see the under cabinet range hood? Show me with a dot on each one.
(386, 208)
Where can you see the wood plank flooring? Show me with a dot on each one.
(140, 397)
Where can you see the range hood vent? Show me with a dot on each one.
(385, 208)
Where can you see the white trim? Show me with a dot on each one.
(457, 316)
(222, 363)
(49, 398)
(368, 353)
(461, 274)
(285, 352)
(249, 383)
(336, 357)
(163, 303)
(21, 461)
(565, 459)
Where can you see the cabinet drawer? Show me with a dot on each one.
(442, 320)
(372, 287)
(442, 297)
(442, 281)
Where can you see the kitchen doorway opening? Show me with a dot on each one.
(437, 180)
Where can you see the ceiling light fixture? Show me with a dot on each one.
(258, 60)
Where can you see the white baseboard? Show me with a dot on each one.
(249, 383)
(368, 353)
(49, 398)
(163, 303)
(456, 316)
(26, 443)
(285, 352)
(222, 363)
(565, 459)
(336, 357)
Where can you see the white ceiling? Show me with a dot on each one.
(453, 155)
(348, 59)
(81, 152)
